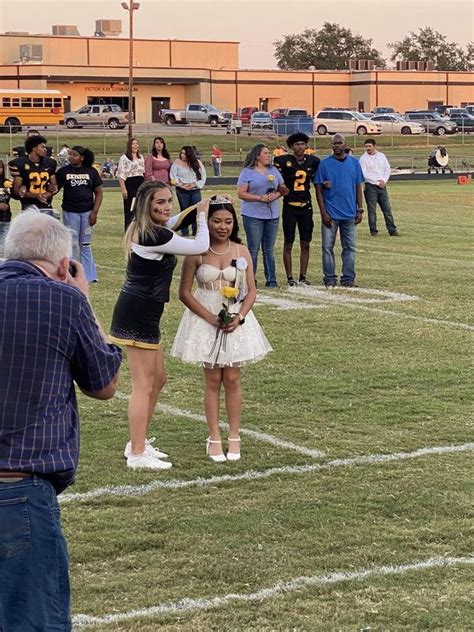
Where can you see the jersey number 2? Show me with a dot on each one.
(300, 179)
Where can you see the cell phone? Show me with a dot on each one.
(72, 269)
(270, 190)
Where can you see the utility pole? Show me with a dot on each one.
(130, 7)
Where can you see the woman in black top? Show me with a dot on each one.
(5, 212)
(82, 198)
(151, 245)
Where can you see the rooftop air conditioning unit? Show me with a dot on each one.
(108, 28)
(68, 30)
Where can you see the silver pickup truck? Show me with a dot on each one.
(195, 113)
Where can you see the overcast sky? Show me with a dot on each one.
(254, 24)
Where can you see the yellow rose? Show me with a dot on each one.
(270, 178)
(230, 292)
(7, 184)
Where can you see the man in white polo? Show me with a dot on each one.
(376, 170)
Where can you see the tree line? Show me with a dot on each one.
(332, 46)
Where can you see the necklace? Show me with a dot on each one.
(219, 254)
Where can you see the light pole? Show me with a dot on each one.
(130, 7)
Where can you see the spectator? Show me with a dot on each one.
(376, 170)
(259, 186)
(189, 177)
(158, 163)
(34, 182)
(5, 212)
(130, 172)
(216, 159)
(339, 194)
(81, 202)
(63, 156)
(50, 339)
(20, 151)
(108, 168)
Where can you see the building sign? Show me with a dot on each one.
(123, 88)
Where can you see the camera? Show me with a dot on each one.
(72, 269)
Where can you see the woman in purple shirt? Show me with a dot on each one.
(259, 187)
(158, 163)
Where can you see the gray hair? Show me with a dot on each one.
(339, 137)
(251, 157)
(35, 236)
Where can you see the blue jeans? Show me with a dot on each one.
(328, 236)
(186, 199)
(378, 195)
(4, 226)
(262, 232)
(81, 241)
(34, 581)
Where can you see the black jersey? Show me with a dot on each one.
(297, 176)
(34, 176)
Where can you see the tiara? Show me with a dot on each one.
(221, 199)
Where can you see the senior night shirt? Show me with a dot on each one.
(49, 339)
(260, 184)
(340, 199)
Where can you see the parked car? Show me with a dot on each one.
(195, 113)
(109, 115)
(246, 113)
(431, 121)
(396, 124)
(465, 122)
(291, 112)
(383, 109)
(261, 120)
(344, 121)
(470, 109)
(367, 115)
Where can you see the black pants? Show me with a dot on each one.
(131, 184)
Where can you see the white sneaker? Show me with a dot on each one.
(146, 462)
(149, 449)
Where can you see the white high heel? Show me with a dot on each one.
(217, 458)
(233, 456)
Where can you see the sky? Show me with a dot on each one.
(256, 25)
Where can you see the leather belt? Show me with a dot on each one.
(9, 476)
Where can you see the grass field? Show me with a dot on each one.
(285, 539)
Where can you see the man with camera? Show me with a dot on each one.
(49, 339)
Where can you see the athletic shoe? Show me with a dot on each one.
(395, 234)
(330, 286)
(291, 282)
(146, 462)
(351, 284)
(304, 281)
(149, 450)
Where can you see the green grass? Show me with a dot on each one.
(342, 379)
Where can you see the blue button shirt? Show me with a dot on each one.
(48, 340)
(345, 175)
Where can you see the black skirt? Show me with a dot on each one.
(136, 322)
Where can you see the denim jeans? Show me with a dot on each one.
(328, 236)
(34, 581)
(262, 232)
(373, 195)
(187, 198)
(81, 241)
(4, 226)
(217, 168)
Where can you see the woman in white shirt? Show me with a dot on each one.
(130, 172)
(189, 177)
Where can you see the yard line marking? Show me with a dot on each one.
(285, 304)
(255, 434)
(254, 475)
(281, 588)
(349, 295)
(435, 260)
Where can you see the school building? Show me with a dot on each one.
(172, 73)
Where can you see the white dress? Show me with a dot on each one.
(195, 340)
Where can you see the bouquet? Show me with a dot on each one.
(225, 316)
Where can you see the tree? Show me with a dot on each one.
(429, 45)
(330, 48)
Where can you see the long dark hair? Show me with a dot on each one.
(253, 154)
(87, 155)
(164, 151)
(226, 206)
(128, 151)
(191, 159)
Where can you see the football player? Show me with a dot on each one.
(34, 182)
(298, 170)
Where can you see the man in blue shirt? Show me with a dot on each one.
(49, 339)
(339, 193)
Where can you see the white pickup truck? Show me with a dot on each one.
(195, 113)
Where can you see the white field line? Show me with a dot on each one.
(338, 300)
(350, 295)
(409, 255)
(258, 436)
(279, 589)
(285, 304)
(254, 475)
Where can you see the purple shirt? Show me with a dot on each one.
(48, 340)
(260, 184)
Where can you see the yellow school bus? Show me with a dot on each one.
(30, 107)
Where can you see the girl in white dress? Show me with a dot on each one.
(217, 341)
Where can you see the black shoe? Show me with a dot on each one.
(351, 284)
(395, 234)
(291, 282)
(374, 234)
(304, 281)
